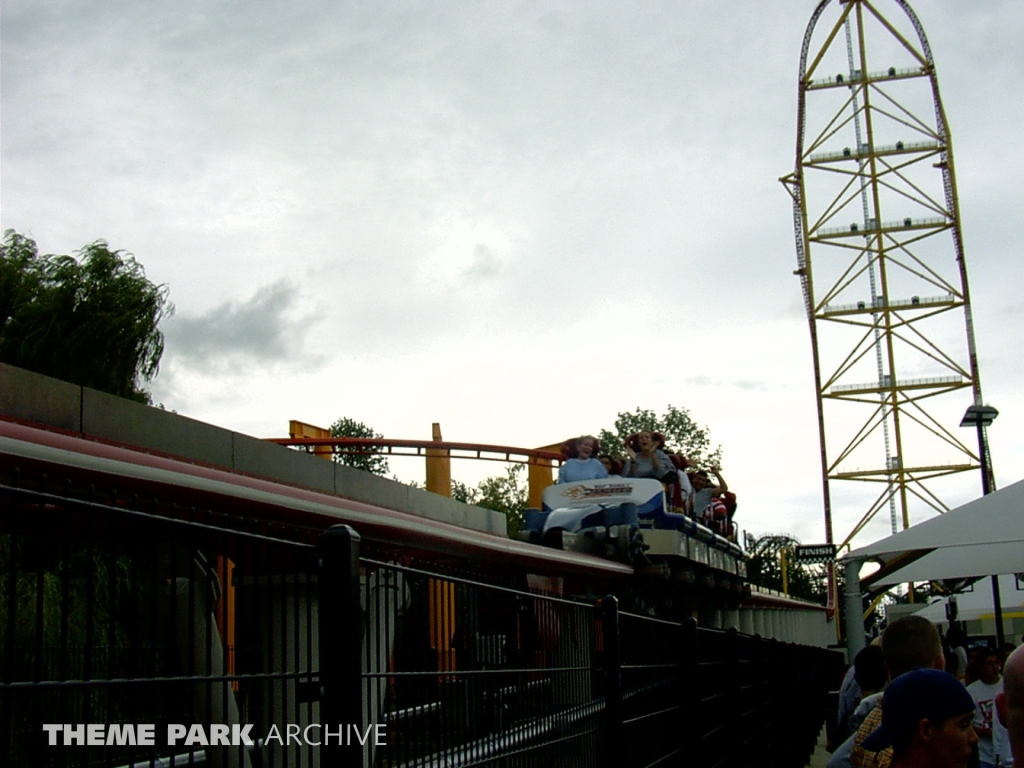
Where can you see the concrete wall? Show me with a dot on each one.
(808, 627)
(31, 397)
(41, 400)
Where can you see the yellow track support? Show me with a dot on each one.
(439, 466)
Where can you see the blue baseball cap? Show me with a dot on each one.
(916, 696)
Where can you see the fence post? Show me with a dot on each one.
(613, 679)
(691, 733)
(780, 680)
(761, 736)
(340, 645)
(732, 651)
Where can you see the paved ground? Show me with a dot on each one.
(820, 756)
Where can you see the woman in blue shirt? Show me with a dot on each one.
(583, 465)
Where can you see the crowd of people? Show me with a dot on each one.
(692, 491)
(908, 702)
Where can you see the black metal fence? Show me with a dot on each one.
(128, 611)
(468, 673)
(135, 612)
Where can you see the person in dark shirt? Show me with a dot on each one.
(927, 721)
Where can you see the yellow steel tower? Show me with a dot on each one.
(881, 262)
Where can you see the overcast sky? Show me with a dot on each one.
(516, 219)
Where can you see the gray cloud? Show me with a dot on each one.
(259, 330)
(485, 264)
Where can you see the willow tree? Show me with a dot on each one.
(91, 320)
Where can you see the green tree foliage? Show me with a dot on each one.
(464, 493)
(368, 462)
(508, 494)
(765, 568)
(91, 321)
(682, 434)
(53, 591)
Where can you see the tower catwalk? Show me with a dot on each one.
(881, 263)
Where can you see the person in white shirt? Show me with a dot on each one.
(983, 691)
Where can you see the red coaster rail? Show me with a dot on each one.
(395, 447)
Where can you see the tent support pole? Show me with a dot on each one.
(854, 609)
(997, 605)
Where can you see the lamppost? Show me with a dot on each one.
(980, 417)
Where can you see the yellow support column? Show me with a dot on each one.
(439, 466)
(301, 429)
(441, 610)
(441, 593)
(540, 475)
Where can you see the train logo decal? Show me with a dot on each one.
(586, 493)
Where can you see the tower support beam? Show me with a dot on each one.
(877, 226)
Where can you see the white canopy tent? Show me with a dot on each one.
(984, 537)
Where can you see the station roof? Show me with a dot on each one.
(984, 537)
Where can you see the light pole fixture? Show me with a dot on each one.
(980, 417)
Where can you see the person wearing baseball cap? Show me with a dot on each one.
(928, 720)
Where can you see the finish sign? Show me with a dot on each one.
(814, 553)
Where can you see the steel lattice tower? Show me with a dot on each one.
(881, 262)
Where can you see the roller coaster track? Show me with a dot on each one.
(396, 447)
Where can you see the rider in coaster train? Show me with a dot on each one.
(582, 465)
(646, 459)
